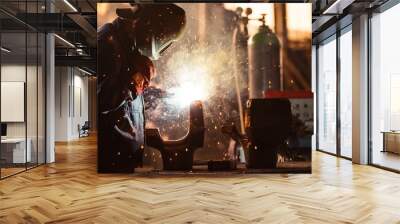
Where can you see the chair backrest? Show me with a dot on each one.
(86, 125)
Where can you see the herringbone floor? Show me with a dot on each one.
(70, 191)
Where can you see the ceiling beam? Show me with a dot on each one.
(84, 24)
(76, 61)
(337, 7)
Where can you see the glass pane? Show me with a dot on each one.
(314, 90)
(41, 98)
(346, 94)
(327, 96)
(385, 89)
(13, 87)
(31, 88)
(31, 98)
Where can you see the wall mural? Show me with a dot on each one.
(204, 87)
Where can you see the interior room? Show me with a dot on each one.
(102, 122)
(22, 103)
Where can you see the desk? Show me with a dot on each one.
(13, 150)
(391, 141)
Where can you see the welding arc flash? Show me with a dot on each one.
(191, 86)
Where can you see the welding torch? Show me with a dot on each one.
(153, 95)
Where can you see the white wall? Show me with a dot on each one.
(61, 103)
(16, 73)
(33, 127)
(80, 83)
(71, 102)
(12, 73)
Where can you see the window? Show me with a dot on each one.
(385, 89)
(346, 93)
(327, 95)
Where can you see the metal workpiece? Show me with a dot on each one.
(178, 154)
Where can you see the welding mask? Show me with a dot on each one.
(156, 26)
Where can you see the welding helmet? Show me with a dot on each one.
(145, 66)
(156, 26)
(138, 63)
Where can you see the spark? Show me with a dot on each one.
(192, 85)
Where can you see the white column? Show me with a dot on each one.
(63, 101)
(50, 92)
(360, 89)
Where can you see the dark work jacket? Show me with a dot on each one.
(121, 125)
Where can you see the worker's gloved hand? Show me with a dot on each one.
(153, 96)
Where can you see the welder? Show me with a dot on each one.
(126, 46)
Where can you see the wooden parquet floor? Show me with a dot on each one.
(70, 191)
